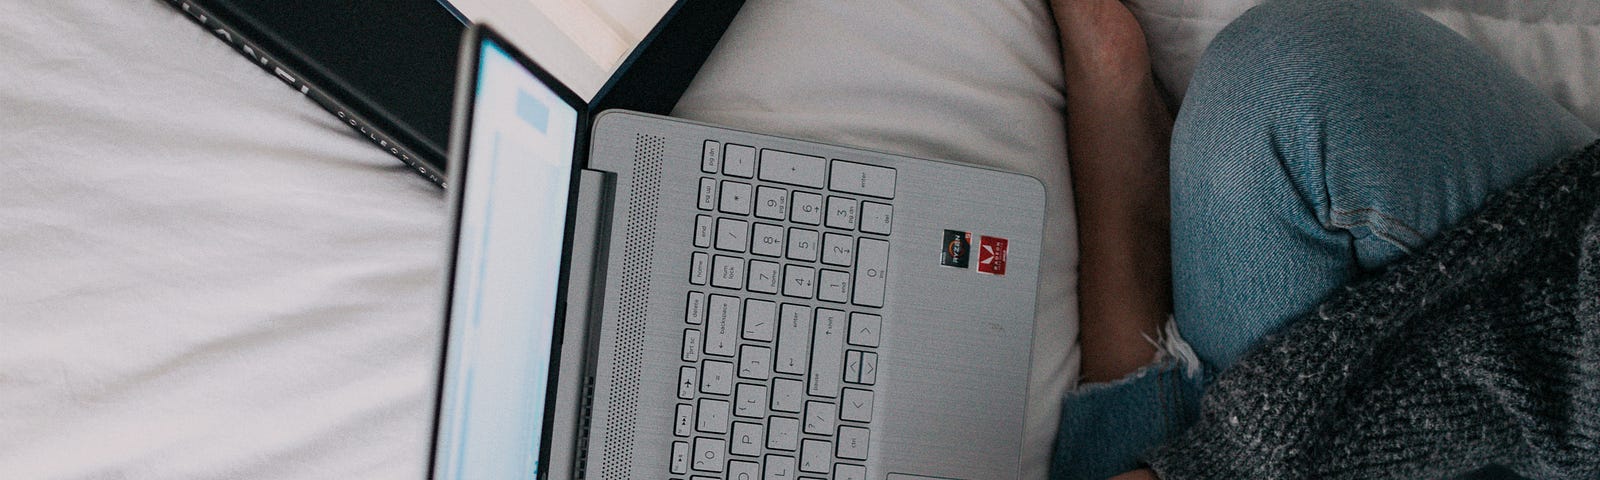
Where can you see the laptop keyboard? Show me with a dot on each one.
(779, 347)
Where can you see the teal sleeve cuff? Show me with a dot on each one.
(1106, 428)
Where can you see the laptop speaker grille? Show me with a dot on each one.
(638, 253)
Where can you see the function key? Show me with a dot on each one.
(710, 156)
(702, 231)
(708, 194)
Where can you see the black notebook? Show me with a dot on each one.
(386, 68)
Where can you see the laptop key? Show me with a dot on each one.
(841, 213)
(727, 272)
(819, 418)
(699, 269)
(763, 277)
(869, 368)
(760, 318)
(686, 378)
(721, 326)
(739, 469)
(747, 440)
(845, 471)
(738, 160)
(711, 416)
(803, 245)
(794, 338)
(805, 207)
(838, 249)
(709, 454)
(864, 328)
(750, 401)
(755, 362)
(735, 198)
(772, 203)
(852, 366)
(732, 235)
(816, 456)
(833, 286)
(798, 281)
(767, 240)
(684, 425)
(853, 442)
(710, 156)
(780, 467)
(827, 351)
(862, 179)
(783, 433)
(696, 309)
(708, 194)
(876, 218)
(855, 405)
(872, 271)
(702, 231)
(792, 168)
(716, 378)
(680, 457)
(691, 345)
(787, 395)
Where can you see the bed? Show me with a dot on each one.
(204, 275)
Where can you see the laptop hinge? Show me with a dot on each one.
(585, 283)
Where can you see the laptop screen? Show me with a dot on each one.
(504, 294)
(581, 42)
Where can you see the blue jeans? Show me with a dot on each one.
(1320, 141)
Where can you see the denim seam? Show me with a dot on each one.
(1340, 221)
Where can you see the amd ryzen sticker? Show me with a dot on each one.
(992, 255)
(955, 247)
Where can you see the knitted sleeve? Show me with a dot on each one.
(1484, 348)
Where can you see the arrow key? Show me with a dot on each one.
(856, 405)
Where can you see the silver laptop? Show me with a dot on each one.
(642, 297)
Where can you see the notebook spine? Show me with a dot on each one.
(251, 50)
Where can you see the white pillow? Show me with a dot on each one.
(1553, 43)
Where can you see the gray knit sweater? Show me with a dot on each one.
(1484, 348)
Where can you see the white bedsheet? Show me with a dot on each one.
(203, 275)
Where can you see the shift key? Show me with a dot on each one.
(793, 168)
(827, 353)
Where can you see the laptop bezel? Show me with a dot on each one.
(472, 44)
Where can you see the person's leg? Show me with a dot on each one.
(1321, 140)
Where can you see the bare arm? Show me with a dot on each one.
(1118, 129)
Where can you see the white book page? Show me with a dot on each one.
(581, 42)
